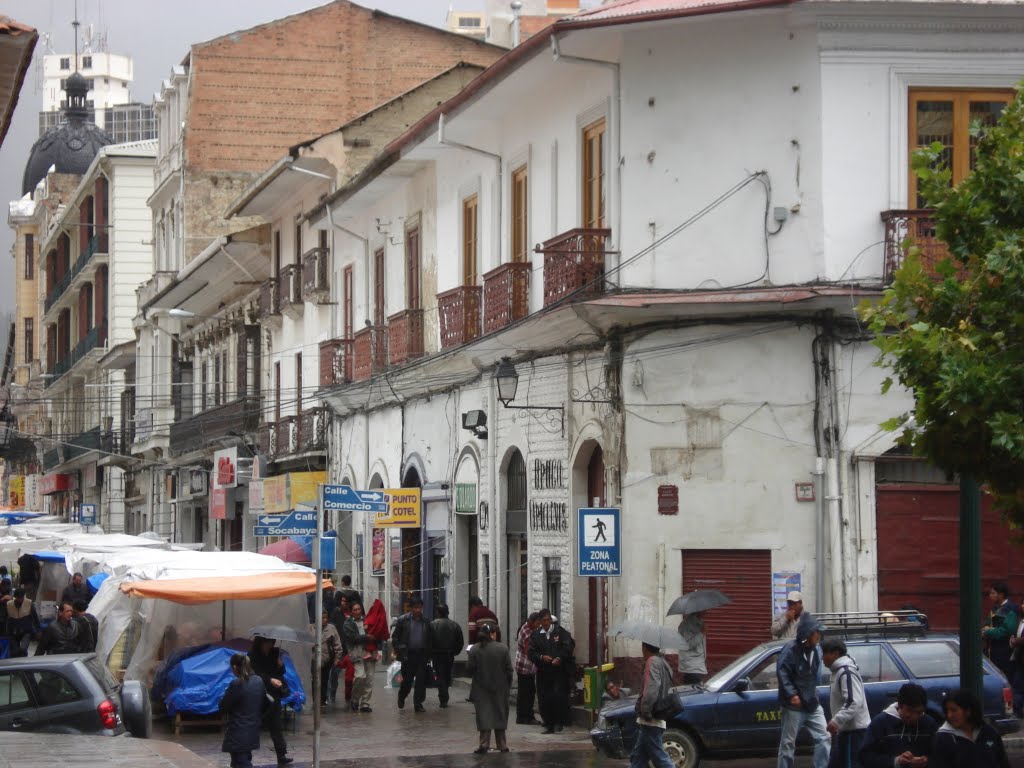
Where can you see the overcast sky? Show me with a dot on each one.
(157, 35)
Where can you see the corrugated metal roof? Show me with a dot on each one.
(620, 9)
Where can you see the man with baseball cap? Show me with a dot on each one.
(784, 624)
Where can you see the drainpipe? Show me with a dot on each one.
(615, 118)
(492, 485)
(496, 157)
(517, 32)
(819, 532)
(660, 565)
(835, 495)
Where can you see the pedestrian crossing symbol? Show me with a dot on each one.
(600, 529)
(597, 537)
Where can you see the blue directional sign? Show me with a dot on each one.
(598, 539)
(298, 523)
(328, 552)
(87, 514)
(344, 498)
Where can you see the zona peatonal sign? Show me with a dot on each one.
(598, 542)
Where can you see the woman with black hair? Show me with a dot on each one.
(268, 664)
(243, 705)
(965, 740)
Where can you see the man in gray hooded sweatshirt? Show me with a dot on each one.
(850, 716)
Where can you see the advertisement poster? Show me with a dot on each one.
(219, 503)
(783, 582)
(379, 556)
(16, 497)
(225, 468)
(275, 495)
(404, 506)
(305, 487)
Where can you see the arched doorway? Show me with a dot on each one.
(516, 587)
(410, 561)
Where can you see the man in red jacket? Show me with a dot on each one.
(479, 612)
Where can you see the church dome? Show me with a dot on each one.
(71, 146)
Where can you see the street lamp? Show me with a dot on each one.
(507, 379)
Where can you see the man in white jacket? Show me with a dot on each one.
(850, 716)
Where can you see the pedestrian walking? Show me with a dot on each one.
(89, 626)
(694, 649)
(798, 670)
(850, 716)
(338, 615)
(346, 590)
(965, 740)
(479, 612)
(447, 644)
(76, 590)
(490, 667)
(412, 641)
(363, 656)
(901, 734)
(62, 635)
(1001, 626)
(268, 663)
(526, 673)
(330, 653)
(242, 704)
(22, 622)
(551, 650)
(648, 748)
(785, 623)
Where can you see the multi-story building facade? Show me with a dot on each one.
(204, 375)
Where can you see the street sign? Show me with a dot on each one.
(599, 551)
(328, 552)
(298, 523)
(87, 514)
(344, 498)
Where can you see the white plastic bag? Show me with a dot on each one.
(395, 674)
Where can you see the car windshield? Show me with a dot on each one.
(720, 678)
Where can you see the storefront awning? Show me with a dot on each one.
(196, 591)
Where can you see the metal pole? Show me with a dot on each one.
(318, 624)
(970, 585)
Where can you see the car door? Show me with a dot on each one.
(751, 719)
(17, 709)
(60, 704)
(933, 664)
(881, 675)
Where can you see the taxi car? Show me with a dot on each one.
(736, 714)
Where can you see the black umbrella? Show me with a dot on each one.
(697, 601)
(283, 633)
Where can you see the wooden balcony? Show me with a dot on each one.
(911, 227)
(574, 265)
(316, 286)
(289, 290)
(369, 348)
(506, 295)
(459, 315)
(268, 306)
(405, 336)
(335, 362)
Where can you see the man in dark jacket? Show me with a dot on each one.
(76, 590)
(901, 734)
(551, 651)
(447, 644)
(62, 635)
(89, 626)
(413, 643)
(28, 574)
(799, 669)
(22, 622)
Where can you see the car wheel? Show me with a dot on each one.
(136, 709)
(682, 749)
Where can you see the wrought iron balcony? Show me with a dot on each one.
(266, 439)
(459, 315)
(289, 289)
(97, 337)
(230, 419)
(98, 243)
(268, 306)
(335, 362)
(369, 352)
(911, 227)
(405, 336)
(506, 295)
(316, 286)
(287, 435)
(314, 426)
(73, 446)
(574, 265)
(117, 442)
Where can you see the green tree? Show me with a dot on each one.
(956, 338)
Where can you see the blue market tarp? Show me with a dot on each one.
(49, 557)
(15, 518)
(95, 581)
(198, 682)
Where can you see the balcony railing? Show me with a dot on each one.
(287, 435)
(316, 285)
(914, 227)
(369, 352)
(314, 425)
(227, 420)
(118, 442)
(98, 243)
(268, 304)
(266, 439)
(506, 295)
(97, 337)
(459, 315)
(574, 265)
(289, 289)
(405, 336)
(72, 447)
(335, 362)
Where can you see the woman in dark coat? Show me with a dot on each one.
(268, 663)
(490, 666)
(243, 705)
(965, 740)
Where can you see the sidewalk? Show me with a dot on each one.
(37, 750)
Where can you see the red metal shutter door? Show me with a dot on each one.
(745, 575)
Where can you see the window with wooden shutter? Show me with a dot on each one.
(30, 256)
(946, 116)
(378, 287)
(520, 233)
(413, 298)
(593, 175)
(469, 240)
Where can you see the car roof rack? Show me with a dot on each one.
(867, 623)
